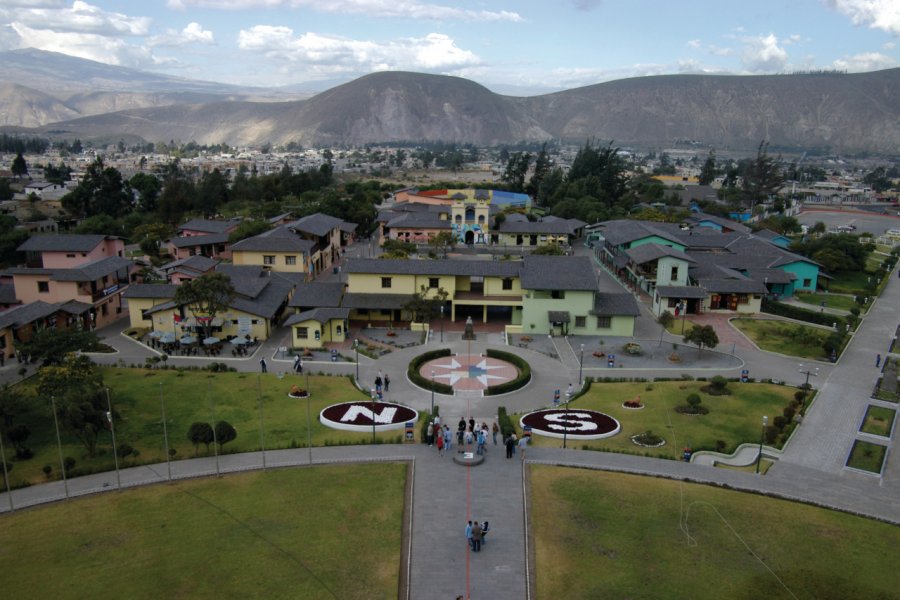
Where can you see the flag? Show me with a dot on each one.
(178, 318)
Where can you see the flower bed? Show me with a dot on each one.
(635, 404)
(648, 440)
(297, 392)
(360, 415)
(572, 423)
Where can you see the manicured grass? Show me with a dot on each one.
(831, 300)
(784, 338)
(322, 532)
(849, 282)
(734, 418)
(866, 456)
(188, 396)
(764, 466)
(878, 421)
(608, 535)
(873, 261)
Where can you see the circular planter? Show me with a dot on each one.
(626, 407)
(574, 424)
(300, 397)
(357, 416)
(635, 438)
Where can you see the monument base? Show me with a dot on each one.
(468, 459)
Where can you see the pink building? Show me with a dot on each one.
(67, 251)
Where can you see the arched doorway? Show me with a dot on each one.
(470, 237)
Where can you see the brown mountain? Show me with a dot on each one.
(22, 106)
(847, 113)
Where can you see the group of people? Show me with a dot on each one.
(476, 534)
(511, 441)
(382, 384)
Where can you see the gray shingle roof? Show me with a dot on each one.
(318, 293)
(653, 251)
(27, 313)
(558, 316)
(274, 242)
(267, 301)
(681, 291)
(376, 301)
(558, 273)
(429, 220)
(485, 268)
(74, 307)
(199, 240)
(733, 286)
(66, 242)
(209, 226)
(197, 262)
(548, 226)
(615, 305)
(720, 221)
(7, 293)
(316, 224)
(321, 315)
(155, 291)
(93, 270)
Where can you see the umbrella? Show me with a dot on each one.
(187, 340)
(238, 341)
(155, 334)
(210, 340)
(167, 338)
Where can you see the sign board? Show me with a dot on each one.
(244, 325)
(745, 375)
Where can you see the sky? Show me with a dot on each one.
(510, 46)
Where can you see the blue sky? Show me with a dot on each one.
(523, 46)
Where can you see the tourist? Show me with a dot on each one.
(523, 443)
(494, 431)
(481, 440)
(298, 365)
(387, 383)
(476, 537)
(378, 381)
(440, 443)
(469, 534)
(262, 365)
(471, 424)
(429, 436)
(484, 531)
(460, 435)
(570, 391)
(877, 360)
(448, 438)
(515, 440)
(470, 439)
(510, 445)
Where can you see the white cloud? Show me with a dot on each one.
(875, 14)
(327, 54)
(193, 33)
(91, 46)
(867, 61)
(762, 54)
(406, 9)
(693, 44)
(888, 46)
(81, 17)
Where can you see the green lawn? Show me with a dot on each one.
(866, 456)
(322, 532)
(878, 421)
(782, 337)
(734, 419)
(849, 282)
(610, 535)
(188, 397)
(831, 300)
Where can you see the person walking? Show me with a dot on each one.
(515, 440)
(378, 382)
(469, 534)
(448, 438)
(429, 435)
(494, 431)
(387, 383)
(298, 365)
(480, 450)
(262, 366)
(877, 360)
(460, 436)
(510, 444)
(523, 443)
(476, 536)
(485, 527)
(440, 443)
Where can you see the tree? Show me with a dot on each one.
(6, 192)
(206, 296)
(200, 433)
(762, 177)
(77, 387)
(548, 250)
(102, 191)
(541, 168)
(708, 172)
(665, 319)
(247, 229)
(225, 433)
(147, 186)
(819, 227)
(422, 307)
(19, 167)
(150, 237)
(442, 243)
(516, 168)
(212, 192)
(704, 335)
(52, 346)
(18, 435)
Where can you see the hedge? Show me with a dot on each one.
(423, 429)
(520, 380)
(504, 422)
(412, 371)
(801, 314)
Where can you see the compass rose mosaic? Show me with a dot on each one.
(469, 373)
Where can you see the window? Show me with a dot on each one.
(580, 321)
(290, 260)
(507, 283)
(558, 294)
(743, 299)
(70, 256)
(302, 333)
(604, 322)
(807, 283)
(385, 282)
(673, 302)
(43, 287)
(268, 259)
(481, 219)
(458, 218)
(434, 282)
(674, 275)
(254, 321)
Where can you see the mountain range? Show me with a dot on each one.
(70, 97)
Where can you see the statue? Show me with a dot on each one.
(470, 330)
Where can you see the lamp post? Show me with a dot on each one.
(112, 429)
(62, 464)
(356, 347)
(262, 440)
(212, 406)
(808, 372)
(162, 408)
(373, 415)
(432, 394)
(566, 427)
(581, 367)
(442, 323)
(683, 306)
(308, 420)
(762, 436)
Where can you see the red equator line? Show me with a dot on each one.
(468, 518)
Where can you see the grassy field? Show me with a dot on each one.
(831, 300)
(866, 456)
(608, 535)
(135, 396)
(791, 339)
(849, 282)
(734, 418)
(878, 421)
(241, 536)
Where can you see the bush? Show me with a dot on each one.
(718, 386)
(771, 434)
(412, 371)
(800, 314)
(47, 469)
(800, 396)
(504, 422)
(68, 463)
(520, 380)
(423, 432)
(693, 400)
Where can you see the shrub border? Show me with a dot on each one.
(520, 381)
(412, 372)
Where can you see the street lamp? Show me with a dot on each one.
(262, 440)
(112, 428)
(808, 372)
(162, 408)
(566, 427)
(432, 394)
(683, 307)
(581, 367)
(373, 415)
(356, 347)
(442, 323)
(308, 419)
(761, 437)
(62, 463)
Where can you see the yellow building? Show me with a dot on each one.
(314, 328)
(280, 250)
